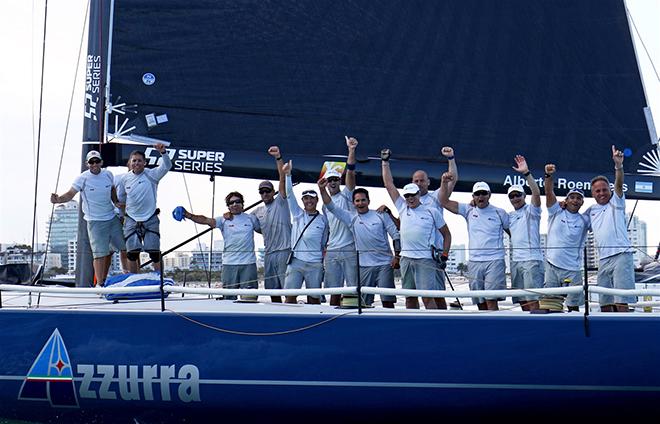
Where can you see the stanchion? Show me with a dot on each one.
(587, 331)
(162, 282)
(359, 285)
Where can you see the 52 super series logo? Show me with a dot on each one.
(52, 378)
(186, 160)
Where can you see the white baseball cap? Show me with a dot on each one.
(411, 188)
(310, 193)
(480, 186)
(515, 188)
(331, 173)
(575, 190)
(93, 154)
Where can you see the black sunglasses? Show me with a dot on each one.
(480, 193)
(409, 195)
(94, 161)
(515, 194)
(265, 190)
(234, 202)
(333, 179)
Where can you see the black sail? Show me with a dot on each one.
(555, 80)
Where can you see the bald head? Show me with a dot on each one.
(421, 179)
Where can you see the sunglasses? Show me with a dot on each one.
(408, 195)
(515, 195)
(265, 190)
(234, 202)
(333, 179)
(94, 161)
(480, 193)
(311, 193)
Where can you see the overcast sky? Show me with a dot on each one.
(21, 29)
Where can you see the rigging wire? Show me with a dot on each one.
(66, 129)
(641, 40)
(199, 242)
(213, 215)
(41, 99)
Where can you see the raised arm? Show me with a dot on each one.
(617, 157)
(388, 181)
(448, 153)
(294, 208)
(323, 184)
(274, 151)
(450, 205)
(351, 143)
(165, 162)
(521, 166)
(549, 185)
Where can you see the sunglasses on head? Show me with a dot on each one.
(480, 193)
(409, 195)
(235, 202)
(265, 190)
(94, 161)
(515, 195)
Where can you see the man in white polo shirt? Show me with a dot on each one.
(486, 224)
(339, 262)
(137, 189)
(239, 262)
(419, 226)
(567, 231)
(524, 224)
(370, 230)
(98, 195)
(608, 222)
(309, 236)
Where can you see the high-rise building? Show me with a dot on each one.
(456, 256)
(200, 258)
(72, 248)
(636, 235)
(63, 227)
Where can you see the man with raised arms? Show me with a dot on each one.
(275, 224)
(340, 263)
(419, 225)
(524, 224)
(567, 231)
(137, 189)
(608, 222)
(370, 230)
(486, 224)
(309, 236)
(239, 262)
(97, 195)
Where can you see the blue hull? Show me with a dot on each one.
(159, 367)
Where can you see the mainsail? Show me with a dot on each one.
(222, 80)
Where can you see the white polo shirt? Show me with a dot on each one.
(238, 234)
(566, 235)
(139, 190)
(314, 239)
(609, 225)
(370, 230)
(340, 234)
(524, 224)
(95, 192)
(418, 228)
(485, 231)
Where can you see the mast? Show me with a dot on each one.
(95, 123)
